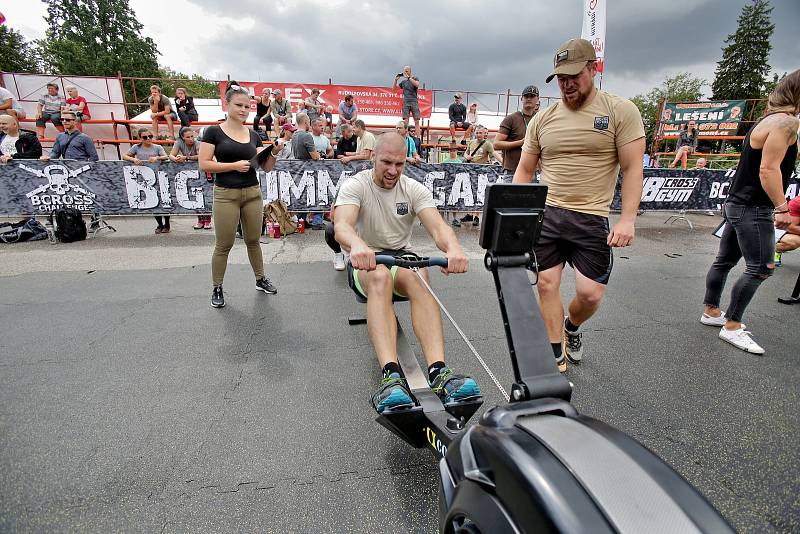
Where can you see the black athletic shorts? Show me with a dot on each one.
(579, 239)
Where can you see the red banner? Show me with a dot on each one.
(370, 100)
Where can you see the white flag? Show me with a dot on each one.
(594, 27)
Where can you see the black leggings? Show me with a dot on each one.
(164, 223)
(330, 239)
(749, 233)
(267, 122)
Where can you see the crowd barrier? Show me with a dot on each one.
(121, 188)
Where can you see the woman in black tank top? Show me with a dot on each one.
(263, 110)
(755, 205)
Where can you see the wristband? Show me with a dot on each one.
(779, 205)
(778, 212)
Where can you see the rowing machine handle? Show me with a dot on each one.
(391, 261)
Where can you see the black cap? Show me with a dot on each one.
(530, 90)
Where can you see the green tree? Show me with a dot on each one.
(16, 54)
(744, 69)
(680, 87)
(97, 38)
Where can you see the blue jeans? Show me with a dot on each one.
(749, 233)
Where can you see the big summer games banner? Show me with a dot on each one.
(719, 119)
(119, 188)
(371, 100)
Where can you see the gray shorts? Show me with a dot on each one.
(411, 108)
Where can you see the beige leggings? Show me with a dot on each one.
(231, 205)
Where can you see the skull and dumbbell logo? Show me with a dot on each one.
(57, 177)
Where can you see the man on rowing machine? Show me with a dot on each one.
(375, 212)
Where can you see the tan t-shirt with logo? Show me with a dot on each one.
(386, 216)
(578, 150)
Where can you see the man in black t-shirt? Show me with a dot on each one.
(458, 119)
(347, 142)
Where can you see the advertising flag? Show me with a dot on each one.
(594, 28)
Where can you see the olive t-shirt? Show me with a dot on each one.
(514, 127)
(480, 151)
(228, 150)
(386, 216)
(578, 150)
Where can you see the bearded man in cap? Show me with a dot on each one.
(581, 143)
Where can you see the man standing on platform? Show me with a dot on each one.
(410, 86)
(511, 133)
(581, 143)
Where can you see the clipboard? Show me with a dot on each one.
(260, 160)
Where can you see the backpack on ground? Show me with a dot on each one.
(68, 225)
(277, 212)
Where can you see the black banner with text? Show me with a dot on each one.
(120, 188)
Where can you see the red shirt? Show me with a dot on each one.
(77, 101)
(794, 206)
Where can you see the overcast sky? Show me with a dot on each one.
(464, 45)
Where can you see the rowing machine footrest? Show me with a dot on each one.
(465, 409)
(406, 423)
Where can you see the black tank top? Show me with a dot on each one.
(746, 187)
(262, 109)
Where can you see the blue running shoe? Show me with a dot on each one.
(393, 394)
(451, 387)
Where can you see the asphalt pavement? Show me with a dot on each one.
(128, 404)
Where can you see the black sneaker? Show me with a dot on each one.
(456, 223)
(466, 218)
(476, 221)
(266, 286)
(217, 299)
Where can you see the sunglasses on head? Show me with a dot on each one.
(145, 137)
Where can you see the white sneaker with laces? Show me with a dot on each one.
(740, 338)
(714, 321)
(338, 261)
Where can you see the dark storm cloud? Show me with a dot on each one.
(481, 46)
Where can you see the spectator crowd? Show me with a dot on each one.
(312, 132)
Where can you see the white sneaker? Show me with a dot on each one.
(714, 321)
(741, 338)
(338, 261)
